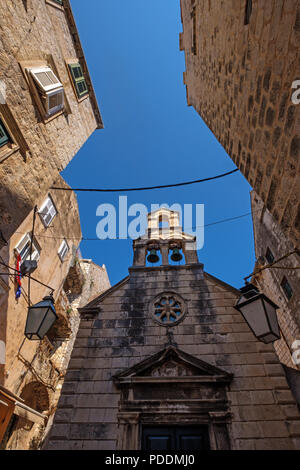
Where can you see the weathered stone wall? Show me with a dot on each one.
(118, 331)
(239, 79)
(33, 364)
(93, 279)
(36, 30)
(96, 282)
(268, 235)
(28, 362)
(50, 271)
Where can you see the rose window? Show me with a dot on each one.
(169, 309)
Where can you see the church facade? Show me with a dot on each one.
(163, 361)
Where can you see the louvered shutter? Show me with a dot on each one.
(23, 248)
(78, 79)
(45, 78)
(48, 212)
(63, 250)
(4, 136)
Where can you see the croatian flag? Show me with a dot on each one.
(18, 278)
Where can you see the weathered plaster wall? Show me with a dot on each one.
(27, 361)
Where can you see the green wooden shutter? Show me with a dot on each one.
(78, 79)
(4, 136)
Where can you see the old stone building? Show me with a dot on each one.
(163, 361)
(32, 372)
(48, 107)
(280, 282)
(242, 68)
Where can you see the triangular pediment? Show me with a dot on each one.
(172, 363)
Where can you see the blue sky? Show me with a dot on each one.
(152, 137)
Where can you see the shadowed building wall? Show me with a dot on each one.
(46, 113)
(242, 58)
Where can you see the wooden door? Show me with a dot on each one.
(175, 438)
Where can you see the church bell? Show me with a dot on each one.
(153, 258)
(176, 255)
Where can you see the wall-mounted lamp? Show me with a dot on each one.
(260, 314)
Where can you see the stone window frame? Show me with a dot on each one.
(178, 298)
(16, 140)
(56, 4)
(68, 63)
(33, 88)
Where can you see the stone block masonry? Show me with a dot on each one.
(38, 32)
(122, 333)
(239, 79)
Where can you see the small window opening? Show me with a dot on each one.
(248, 11)
(287, 288)
(4, 135)
(194, 31)
(269, 256)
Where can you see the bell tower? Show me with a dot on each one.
(164, 236)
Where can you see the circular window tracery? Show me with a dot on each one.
(168, 309)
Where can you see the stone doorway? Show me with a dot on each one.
(174, 401)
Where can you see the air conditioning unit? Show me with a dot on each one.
(55, 101)
(50, 89)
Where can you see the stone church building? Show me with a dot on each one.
(242, 75)
(163, 361)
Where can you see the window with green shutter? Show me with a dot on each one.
(78, 80)
(4, 136)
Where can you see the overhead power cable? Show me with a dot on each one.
(146, 188)
(24, 275)
(272, 265)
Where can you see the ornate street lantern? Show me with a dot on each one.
(40, 319)
(28, 267)
(260, 314)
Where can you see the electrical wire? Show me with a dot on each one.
(146, 188)
(27, 275)
(284, 267)
(271, 265)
